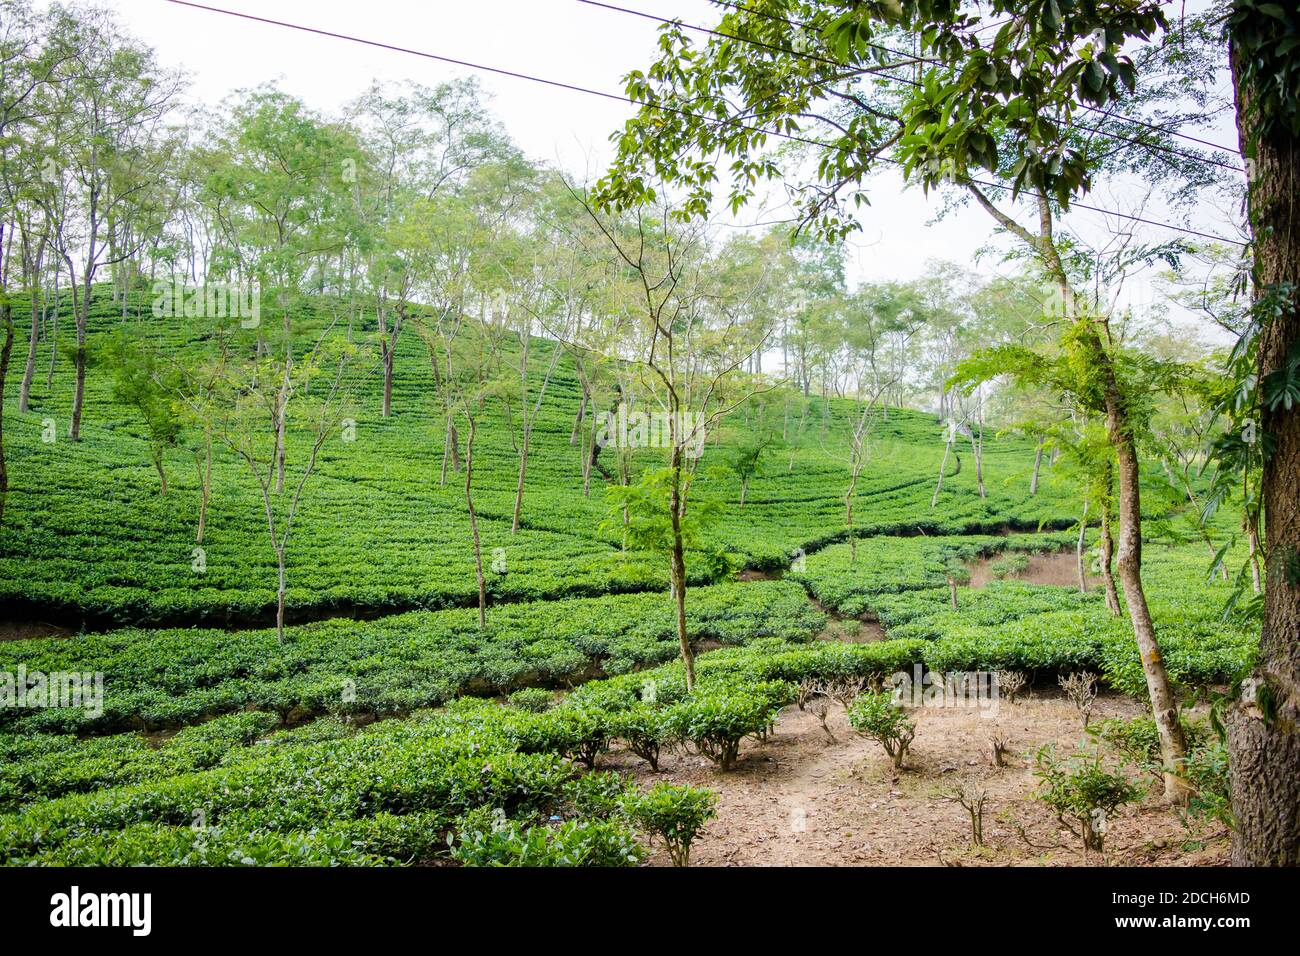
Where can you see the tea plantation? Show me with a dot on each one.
(389, 728)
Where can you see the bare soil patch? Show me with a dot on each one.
(28, 630)
(801, 799)
(1059, 568)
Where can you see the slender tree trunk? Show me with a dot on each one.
(205, 488)
(79, 390)
(162, 475)
(281, 425)
(1252, 537)
(279, 597)
(53, 333)
(1173, 745)
(473, 523)
(523, 471)
(1078, 550)
(387, 409)
(1264, 725)
(453, 444)
(577, 421)
(943, 466)
(1038, 462)
(29, 370)
(6, 319)
(1107, 546)
(678, 570)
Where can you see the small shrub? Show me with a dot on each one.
(956, 574)
(971, 798)
(1009, 566)
(536, 700)
(998, 744)
(717, 720)
(675, 814)
(1206, 769)
(845, 690)
(595, 796)
(1081, 688)
(577, 733)
(1010, 684)
(1082, 793)
(877, 716)
(645, 730)
(821, 709)
(1137, 741)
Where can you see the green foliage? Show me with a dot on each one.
(536, 700)
(572, 843)
(394, 664)
(1206, 769)
(1265, 37)
(646, 729)
(715, 719)
(1009, 566)
(675, 814)
(877, 716)
(1137, 741)
(1082, 793)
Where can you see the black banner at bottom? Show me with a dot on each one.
(333, 906)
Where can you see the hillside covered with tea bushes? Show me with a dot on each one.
(389, 727)
(88, 538)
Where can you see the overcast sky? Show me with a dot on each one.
(561, 40)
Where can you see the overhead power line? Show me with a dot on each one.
(467, 64)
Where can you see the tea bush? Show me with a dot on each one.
(877, 716)
(674, 814)
(1082, 793)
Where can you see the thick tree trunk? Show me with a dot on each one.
(1264, 725)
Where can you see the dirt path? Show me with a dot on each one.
(800, 799)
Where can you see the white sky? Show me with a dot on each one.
(558, 39)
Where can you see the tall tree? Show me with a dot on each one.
(117, 99)
(1001, 103)
(688, 345)
(1264, 726)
